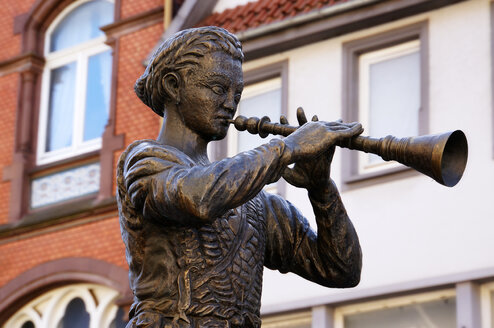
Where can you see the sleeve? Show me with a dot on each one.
(162, 184)
(331, 257)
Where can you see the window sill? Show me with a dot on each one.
(50, 215)
(364, 180)
(63, 163)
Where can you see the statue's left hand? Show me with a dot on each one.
(305, 174)
(313, 174)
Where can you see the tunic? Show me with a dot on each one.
(197, 237)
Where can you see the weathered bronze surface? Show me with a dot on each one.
(443, 156)
(198, 234)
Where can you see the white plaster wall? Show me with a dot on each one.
(222, 5)
(413, 228)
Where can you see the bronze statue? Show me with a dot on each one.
(198, 234)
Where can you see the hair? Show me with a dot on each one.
(182, 51)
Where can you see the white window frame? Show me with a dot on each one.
(487, 305)
(47, 310)
(352, 50)
(80, 54)
(365, 62)
(289, 320)
(341, 312)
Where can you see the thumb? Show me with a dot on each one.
(293, 177)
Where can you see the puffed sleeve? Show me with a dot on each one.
(331, 257)
(164, 184)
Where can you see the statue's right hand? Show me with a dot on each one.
(314, 138)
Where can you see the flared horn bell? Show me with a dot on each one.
(443, 157)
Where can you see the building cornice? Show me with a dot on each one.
(190, 13)
(58, 217)
(359, 295)
(330, 22)
(132, 24)
(22, 63)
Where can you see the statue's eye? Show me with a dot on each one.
(237, 97)
(218, 89)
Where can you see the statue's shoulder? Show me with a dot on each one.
(149, 148)
(151, 151)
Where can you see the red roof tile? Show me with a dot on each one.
(262, 12)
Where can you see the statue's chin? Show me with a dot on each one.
(218, 137)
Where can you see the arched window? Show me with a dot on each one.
(73, 306)
(76, 82)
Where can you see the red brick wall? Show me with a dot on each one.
(99, 240)
(134, 118)
(8, 96)
(10, 46)
(132, 7)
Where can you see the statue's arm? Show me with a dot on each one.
(331, 257)
(162, 183)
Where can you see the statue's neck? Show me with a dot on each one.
(175, 133)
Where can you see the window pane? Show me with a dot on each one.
(75, 315)
(395, 96)
(82, 24)
(98, 95)
(439, 313)
(119, 322)
(28, 324)
(268, 103)
(61, 107)
(390, 86)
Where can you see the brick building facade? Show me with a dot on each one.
(427, 257)
(75, 240)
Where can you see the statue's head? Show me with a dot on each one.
(180, 54)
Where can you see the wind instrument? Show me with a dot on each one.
(442, 157)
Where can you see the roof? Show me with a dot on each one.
(263, 12)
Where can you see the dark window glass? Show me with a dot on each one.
(75, 315)
(119, 321)
(28, 324)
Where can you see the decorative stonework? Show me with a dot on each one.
(50, 309)
(68, 184)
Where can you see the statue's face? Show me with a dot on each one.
(210, 95)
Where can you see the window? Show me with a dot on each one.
(426, 310)
(258, 99)
(74, 306)
(487, 305)
(385, 88)
(389, 96)
(76, 82)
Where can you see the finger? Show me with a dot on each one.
(315, 118)
(344, 125)
(283, 120)
(354, 130)
(301, 116)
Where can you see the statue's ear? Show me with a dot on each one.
(171, 85)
